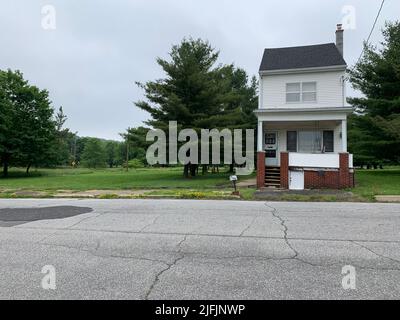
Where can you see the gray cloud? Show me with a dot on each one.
(100, 48)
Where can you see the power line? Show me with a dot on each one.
(372, 30)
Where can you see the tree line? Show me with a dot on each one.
(32, 133)
(198, 93)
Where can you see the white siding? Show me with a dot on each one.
(325, 160)
(329, 89)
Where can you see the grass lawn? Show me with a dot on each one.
(169, 182)
(377, 182)
(87, 179)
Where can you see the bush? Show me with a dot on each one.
(135, 163)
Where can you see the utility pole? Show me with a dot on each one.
(74, 164)
(76, 137)
(127, 150)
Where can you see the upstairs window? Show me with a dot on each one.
(301, 92)
(293, 92)
(309, 91)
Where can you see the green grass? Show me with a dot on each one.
(377, 182)
(170, 182)
(86, 179)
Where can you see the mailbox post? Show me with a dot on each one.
(234, 179)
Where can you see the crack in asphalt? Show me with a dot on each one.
(295, 256)
(213, 235)
(87, 218)
(150, 224)
(169, 266)
(375, 253)
(69, 227)
(274, 212)
(185, 254)
(96, 254)
(249, 226)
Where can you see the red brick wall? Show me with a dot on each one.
(260, 169)
(321, 179)
(344, 172)
(285, 170)
(339, 179)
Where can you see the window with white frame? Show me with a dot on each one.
(301, 92)
(309, 91)
(293, 92)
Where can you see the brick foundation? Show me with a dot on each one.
(321, 179)
(284, 170)
(334, 179)
(313, 179)
(260, 169)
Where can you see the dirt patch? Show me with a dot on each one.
(27, 193)
(98, 193)
(395, 199)
(247, 183)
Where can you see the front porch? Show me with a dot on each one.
(303, 149)
(298, 171)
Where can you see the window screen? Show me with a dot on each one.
(292, 141)
(310, 141)
(328, 141)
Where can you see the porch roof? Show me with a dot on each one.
(303, 114)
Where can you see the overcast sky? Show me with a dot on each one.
(99, 48)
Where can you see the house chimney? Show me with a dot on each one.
(339, 38)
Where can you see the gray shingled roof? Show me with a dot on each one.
(321, 55)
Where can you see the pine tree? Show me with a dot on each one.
(190, 93)
(374, 131)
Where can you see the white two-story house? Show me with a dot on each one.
(302, 118)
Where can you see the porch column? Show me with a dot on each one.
(260, 157)
(344, 135)
(260, 169)
(260, 136)
(284, 170)
(344, 172)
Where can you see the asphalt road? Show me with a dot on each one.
(178, 249)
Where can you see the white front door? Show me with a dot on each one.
(271, 148)
(296, 180)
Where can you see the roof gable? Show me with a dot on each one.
(322, 55)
